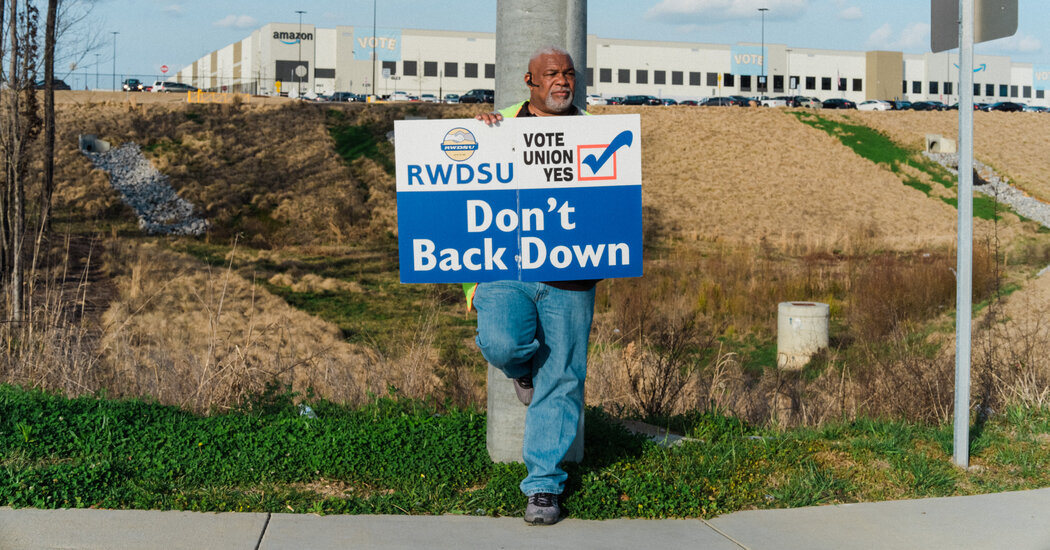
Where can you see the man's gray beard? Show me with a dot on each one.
(556, 105)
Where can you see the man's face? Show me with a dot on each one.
(554, 83)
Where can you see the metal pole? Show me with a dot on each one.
(96, 71)
(763, 11)
(115, 33)
(374, 48)
(964, 278)
(299, 39)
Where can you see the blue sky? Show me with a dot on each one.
(176, 32)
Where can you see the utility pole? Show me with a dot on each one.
(115, 33)
(764, 82)
(373, 48)
(96, 71)
(299, 40)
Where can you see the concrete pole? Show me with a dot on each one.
(964, 267)
(522, 27)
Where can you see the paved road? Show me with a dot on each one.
(1013, 521)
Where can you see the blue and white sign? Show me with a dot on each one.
(1041, 77)
(387, 44)
(747, 60)
(531, 199)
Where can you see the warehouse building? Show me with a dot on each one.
(282, 58)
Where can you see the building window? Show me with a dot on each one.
(641, 76)
(745, 83)
(1004, 90)
(590, 75)
(858, 85)
(409, 68)
(842, 84)
(1039, 94)
(727, 79)
(712, 79)
(676, 78)
(623, 76)
(694, 78)
(490, 70)
(811, 83)
(916, 87)
(933, 87)
(392, 65)
(470, 70)
(605, 75)
(659, 77)
(430, 68)
(1013, 91)
(451, 69)
(948, 88)
(989, 90)
(778, 83)
(825, 83)
(976, 89)
(324, 73)
(1028, 92)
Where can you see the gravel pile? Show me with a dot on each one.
(159, 209)
(998, 188)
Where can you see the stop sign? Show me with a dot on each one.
(164, 69)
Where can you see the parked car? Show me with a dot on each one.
(451, 98)
(668, 101)
(804, 101)
(1007, 106)
(428, 98)
(928, 106)
(1035, 109)
(133, 85)
(595, 99)
(640, 100)
(478, 95)
(901, 105)
(342, 96)
(691, 102)
(955, 107)
(766, 101)
(56, 84)
(874, 105)
(614, 101)
(174, 87)
(720, 102)
(838, 103)
(398, 95)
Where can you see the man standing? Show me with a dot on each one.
(537, 333)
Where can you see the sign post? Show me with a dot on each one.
(953, 24)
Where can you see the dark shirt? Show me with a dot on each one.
(581, 285)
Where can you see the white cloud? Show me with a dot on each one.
(914, 36)
(237, 21)
(713, 11)
(1018, 43)
(173, 9)
(851, 13)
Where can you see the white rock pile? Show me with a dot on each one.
(159, 209)
(998, 188)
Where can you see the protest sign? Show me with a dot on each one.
(530, 199)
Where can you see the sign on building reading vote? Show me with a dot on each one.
(531, 199)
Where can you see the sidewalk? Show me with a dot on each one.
(1015, 521)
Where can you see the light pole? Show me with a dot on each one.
(787, 69)
(115, 33)
(763, 11)
(96, 71)
(299, 39)
(373, 48)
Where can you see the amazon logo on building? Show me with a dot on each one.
(292, 37)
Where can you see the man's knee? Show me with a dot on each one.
(503, 350)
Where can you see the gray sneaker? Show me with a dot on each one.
(523, 389)
(542, 509)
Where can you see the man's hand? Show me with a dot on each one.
(489, 118)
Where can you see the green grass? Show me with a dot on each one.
(397, 456)
(353, 142)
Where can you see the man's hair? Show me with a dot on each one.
(548, 50)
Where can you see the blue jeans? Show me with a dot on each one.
(536, 329)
